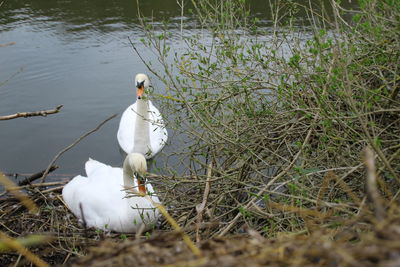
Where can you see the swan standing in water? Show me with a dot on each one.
(103, 199)
(142, 129)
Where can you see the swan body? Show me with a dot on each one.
(103, 199)
(142, 129)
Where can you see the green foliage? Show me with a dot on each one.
(244, 212)
(268, 105)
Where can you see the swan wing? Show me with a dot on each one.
(158, 132)
(92, 166)
(100, 195)
(69, 193)
(126, 128)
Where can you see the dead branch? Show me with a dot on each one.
(53, 189)
(279, 175)
(7, 44)
(36, 176)
(200, 207)
(73, 144)
(43, 113)
(372, 188)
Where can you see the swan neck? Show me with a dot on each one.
(141, 135)
(128, 175)
(143, 107)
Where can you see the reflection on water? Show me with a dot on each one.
(76, 53)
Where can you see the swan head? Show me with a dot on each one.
(135, 165)
(142, 82)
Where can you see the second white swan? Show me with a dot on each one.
(142, 129)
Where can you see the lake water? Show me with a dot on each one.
(76, 53)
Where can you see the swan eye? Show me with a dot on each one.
(142, 178)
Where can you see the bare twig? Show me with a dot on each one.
(11, 77)
(43, 113)
(372, 188)
(238, 215)
(142, 59)
(181, 4)
(200, 207)
(73, 144)
(58, 188)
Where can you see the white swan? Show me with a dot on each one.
(103, 199)
(142, 128)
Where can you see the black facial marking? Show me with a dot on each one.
(139, 84)
(141, 178)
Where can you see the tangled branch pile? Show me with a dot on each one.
(281, 122)
(325, 247)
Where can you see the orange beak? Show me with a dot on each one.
(140, 91)
(141, 186)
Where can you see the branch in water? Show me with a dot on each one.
(72, 145)
(43, 113)
(36, 176)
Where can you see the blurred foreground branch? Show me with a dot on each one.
(9, 242)
(23, 198)
(27, 241)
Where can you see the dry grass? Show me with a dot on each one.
(364, 240)
(329, 247)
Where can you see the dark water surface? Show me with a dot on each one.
(75, 53)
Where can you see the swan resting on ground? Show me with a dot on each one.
(102, 200)
(142, 129)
